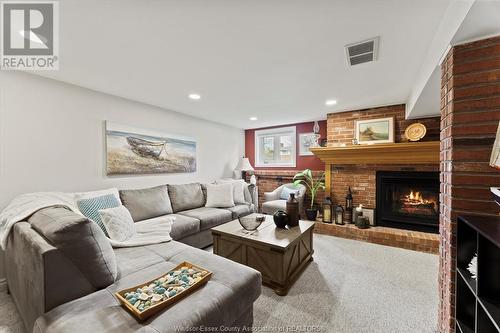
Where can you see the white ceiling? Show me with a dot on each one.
(466, 20)
(278, 60)
(482, 20)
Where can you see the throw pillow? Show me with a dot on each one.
(239, 192)
(238, 189)
(220, 195)
(286, 191)
(118, 222)
(90, 208)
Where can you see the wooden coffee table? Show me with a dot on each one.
(279, 254)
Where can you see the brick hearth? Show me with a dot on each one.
(405, 239)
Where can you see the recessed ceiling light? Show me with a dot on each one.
(330, 102)
(253, 118)
(194, 96)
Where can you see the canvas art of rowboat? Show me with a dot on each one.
(138, 151)
(146, 148)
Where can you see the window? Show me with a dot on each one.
(275, 147)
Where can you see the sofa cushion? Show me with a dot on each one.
(209, 217)
(240, 210)
(181, 227)
(225, 297)
(90, 208)
(186, 196)
(80, 240)
(147, 203)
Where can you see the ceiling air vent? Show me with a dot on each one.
(362, 52)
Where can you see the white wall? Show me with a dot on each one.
(52, 138)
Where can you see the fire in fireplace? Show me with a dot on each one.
(408, 200)
(416, 204)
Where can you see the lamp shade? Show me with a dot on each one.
(244, 165)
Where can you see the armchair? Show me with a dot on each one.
(273, 202)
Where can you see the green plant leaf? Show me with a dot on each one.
(298, 175)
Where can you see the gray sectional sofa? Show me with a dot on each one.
(62, 272)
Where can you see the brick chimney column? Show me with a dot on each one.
(470, 112)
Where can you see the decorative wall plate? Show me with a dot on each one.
(415, 131)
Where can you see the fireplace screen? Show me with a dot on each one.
(408, 200)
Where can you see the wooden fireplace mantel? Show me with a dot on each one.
(410, 153)
(426, 152)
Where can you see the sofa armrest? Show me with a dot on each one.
(274, 195)
(39, 276)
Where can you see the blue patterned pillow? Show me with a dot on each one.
(90, 208)
(285, 193)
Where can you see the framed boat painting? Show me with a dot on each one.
(131, 151)
(373, 131)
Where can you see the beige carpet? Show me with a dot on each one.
(350, 287)
(10, 322)
(354, 287)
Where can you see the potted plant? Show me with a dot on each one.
(313, 185)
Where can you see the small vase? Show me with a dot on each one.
(280, 219)
(292, 210)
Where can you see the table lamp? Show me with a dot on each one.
(244, 166)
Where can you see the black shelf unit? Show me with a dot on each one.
(478, 300)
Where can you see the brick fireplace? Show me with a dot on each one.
(362, 178)
(357, 166)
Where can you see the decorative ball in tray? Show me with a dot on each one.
(151, 297)
(251, 222)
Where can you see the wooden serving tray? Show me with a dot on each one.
(143, 315)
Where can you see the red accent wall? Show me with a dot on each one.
(303, 162)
